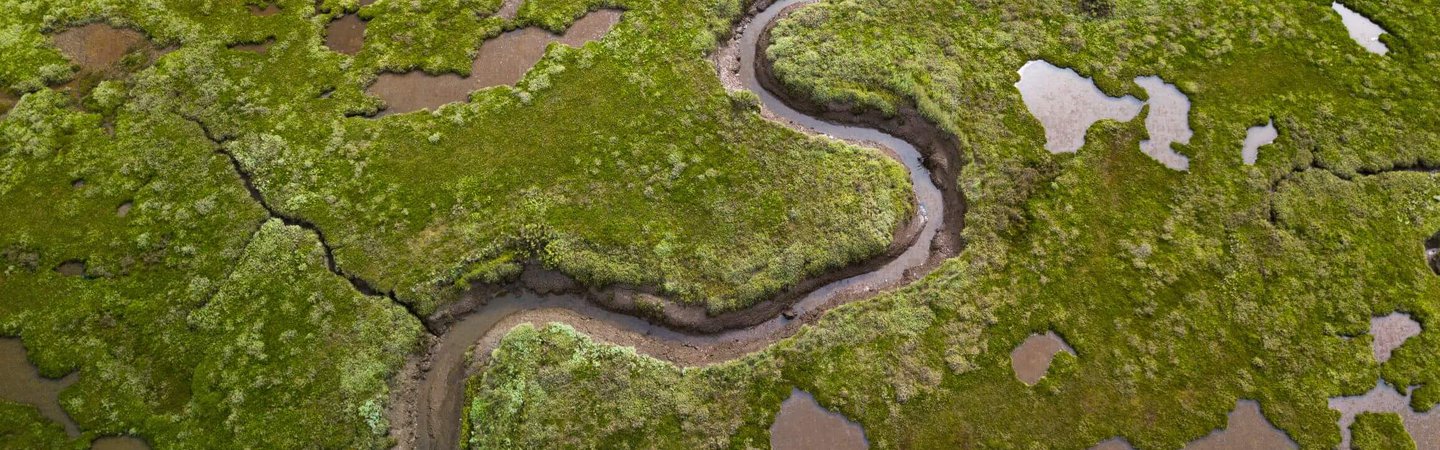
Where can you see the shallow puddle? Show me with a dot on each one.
(1364, 31)
(803, 424)
(1167, 123)
(1067, 104)
(119, 443)
(1246, 429)
(7, 102)
(1031, 359)
(124, 209)
(1424, 428)
(71, 268)
(1256, 137)
(20, 382)
(97, 47)
(500, 61)
(509, 9)
(346, 34)
(1390, 332)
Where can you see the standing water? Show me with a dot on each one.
(500, 61)
(803, 424)
(1067, 104)
(21, 382)
(1256, 137)
(1168, 122)
(1362, 30)
(1031, 359)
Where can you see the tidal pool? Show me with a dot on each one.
(1364, 31)
(1256, 137)
(1031, 359)
(1168, 122)
(1390, 331)
(1067, 104)
(1424, 428)
(500, 61)
(346, 34)
(20, 382)
(1246, 429)
(803, 424)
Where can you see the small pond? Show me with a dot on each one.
(1256, 137)
(1364, 31)
(1031, 359)
(500, 61)
(803, 424)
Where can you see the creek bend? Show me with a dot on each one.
(428, 394)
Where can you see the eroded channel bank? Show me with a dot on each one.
(427, 397)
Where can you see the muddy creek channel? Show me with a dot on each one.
(427, 401)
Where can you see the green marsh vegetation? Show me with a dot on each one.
(1181, 292)
(1376, 431)
(205, 318)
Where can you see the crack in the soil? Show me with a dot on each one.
(359, 284)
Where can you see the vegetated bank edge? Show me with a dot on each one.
(601, 311)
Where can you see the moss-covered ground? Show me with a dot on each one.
(234, 302)
(1180, 291)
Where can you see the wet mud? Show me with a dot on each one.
(1031, 359)
(71, 268)
(266, 11)
(501, 61)
(803, 424)
(98, 47)
(21, 382)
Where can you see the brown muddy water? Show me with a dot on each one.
(346, 34)
(1389, 332)
(1246, 429)
(261, 47)
(21, 382)
(427, 412)
(1424, 428)
(803, 424)
(500, 61)
(71, 268)
(97, 47)
(124, 209)
(1031, 359)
